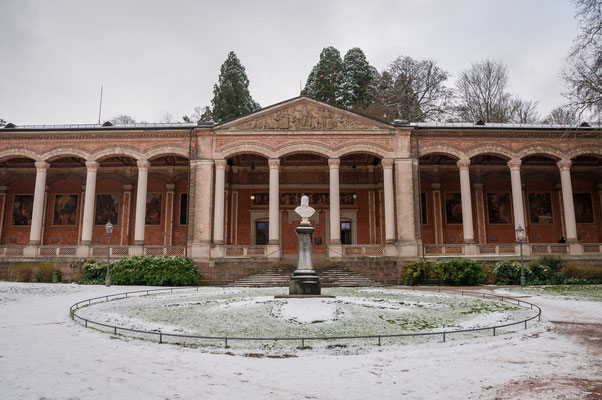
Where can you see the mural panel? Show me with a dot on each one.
(153, 209)
(107, 209)
(498, 207)
(22, 209)
(65, 209)
(584, 208)
(540, 208)
(453, 207)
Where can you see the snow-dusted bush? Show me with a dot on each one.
(144, 270)
(459, 271)
(545, 271)
(507, 272)
(416, 272)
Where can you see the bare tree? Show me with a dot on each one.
(583, 73)
(561, 116)
(481, 92)
(523, 111)
(412, 90)
(199, 114)
(123, 119)
(2, 122)
(167, 117)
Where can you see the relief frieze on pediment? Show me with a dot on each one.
(305, 117)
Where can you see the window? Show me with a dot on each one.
(262, 232)
(346, 234)
(183, 208)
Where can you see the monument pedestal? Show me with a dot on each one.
(305, 280)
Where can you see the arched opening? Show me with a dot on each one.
(586, 176)
(440, 200)
(64, 201)
(246, 200)
(16, 199)
(542, 191)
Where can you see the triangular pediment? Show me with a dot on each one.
(303, 114)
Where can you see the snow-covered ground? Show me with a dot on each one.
(45, 355)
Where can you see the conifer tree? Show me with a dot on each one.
(358, 75)
(231, 97)
(325, 81)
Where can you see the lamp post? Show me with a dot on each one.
(109, 229)
(520, 236)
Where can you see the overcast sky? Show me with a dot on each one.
(155, 57)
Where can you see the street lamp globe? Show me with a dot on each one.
(520, 234)
(109, 227)
(520, 237)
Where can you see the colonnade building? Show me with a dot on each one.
(220, 192)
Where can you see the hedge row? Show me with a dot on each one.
(464, 271)
(144, 270)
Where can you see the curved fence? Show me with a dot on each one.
(302, 340)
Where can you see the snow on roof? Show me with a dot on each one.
(144, 125)
(492, 125)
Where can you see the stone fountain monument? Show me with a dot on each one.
(305, 281)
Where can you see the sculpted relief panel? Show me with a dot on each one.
(305, 117)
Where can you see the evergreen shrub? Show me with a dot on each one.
(416, 273)
(148, 270)
(459, 271)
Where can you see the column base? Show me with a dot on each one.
(471, 249)
(391, 250)
(31, 250)
(575, 249)
(83, 250)
(138, 242)
(335, 250)
(136, 250)
(274, 242)
(200, 251)
(217, 250)
(390, 241)
(273, 251)
(408, 249)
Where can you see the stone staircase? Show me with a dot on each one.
(280, 276)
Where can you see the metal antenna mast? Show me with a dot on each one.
(100, 107)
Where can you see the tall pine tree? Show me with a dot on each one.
(359, 76)
(325, 81)
(231, 97)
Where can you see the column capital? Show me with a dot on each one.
(436, 186)
(564, 165)
(334, 163)
(41, 166)
(92, 166)
(170, 187)
(143, 165)
(220, 164)
(387, 162)
(274, 163)
(463, 163)
(477, 186)
(514, 165)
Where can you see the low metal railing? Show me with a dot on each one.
(301, 339)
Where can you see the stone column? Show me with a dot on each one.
(481, 222)
(437, 215)
(274, 208)
(3, 195)
(404, 207)
(203, 188)
(89, 198)
(141, 203)
(387, 164)
(466, 201)
(517, 194)
(169, 217)
(35, 233)
(218, 215)
(335, 211)
(567, 199)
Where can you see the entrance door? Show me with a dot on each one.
(346, 233)
(262, 232)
